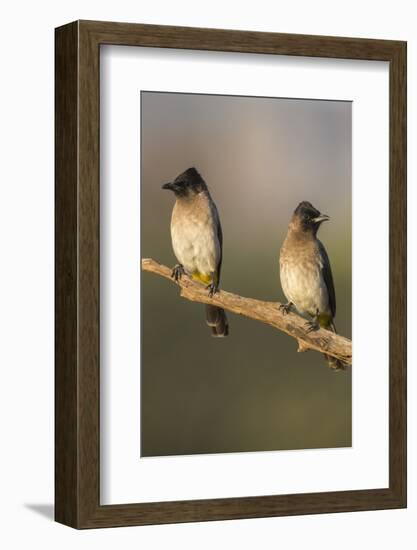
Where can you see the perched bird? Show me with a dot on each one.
(197, 240)
(306, 276)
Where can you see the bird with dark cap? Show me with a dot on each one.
(306, 275)
(197, 240)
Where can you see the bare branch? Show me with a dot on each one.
(269, 313)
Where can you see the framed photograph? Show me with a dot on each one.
(230, 225)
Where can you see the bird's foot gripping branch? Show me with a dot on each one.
(270, 313)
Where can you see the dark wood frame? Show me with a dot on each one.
(77, 371)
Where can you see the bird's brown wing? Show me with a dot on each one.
(219, 236)
(328, 277)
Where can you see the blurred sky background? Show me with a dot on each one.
(251, 391)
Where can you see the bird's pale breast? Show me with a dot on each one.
(302, 279)
(194, 235)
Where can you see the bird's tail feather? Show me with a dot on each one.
(335, 364)
(217, 320)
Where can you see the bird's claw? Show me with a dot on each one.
(285, 308)
(311, 326)
(177, 272)
(212, 288)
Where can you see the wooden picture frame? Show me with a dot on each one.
(77, 382)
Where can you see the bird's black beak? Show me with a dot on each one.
(321, 218)
(167, 186)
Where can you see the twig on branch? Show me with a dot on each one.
(269, 313)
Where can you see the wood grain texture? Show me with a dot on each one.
(323, 341)
(77, 403)
(66, 343)
(398, 273)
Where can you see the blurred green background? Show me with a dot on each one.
(251, 391)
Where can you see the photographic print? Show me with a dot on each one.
(250, 195)
(212, 241)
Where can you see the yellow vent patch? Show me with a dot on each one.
(204, 278)
(324, 320)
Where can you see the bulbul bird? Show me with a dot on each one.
(197, 240)
(306, 275)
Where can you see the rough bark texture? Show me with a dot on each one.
(269, 313)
